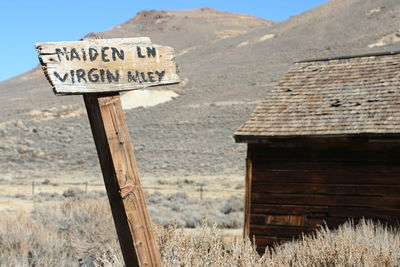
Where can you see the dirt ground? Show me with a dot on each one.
(23, 195)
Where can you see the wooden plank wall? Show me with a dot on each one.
(297, 187)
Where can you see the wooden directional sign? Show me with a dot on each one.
(106, 65)
(98, 69)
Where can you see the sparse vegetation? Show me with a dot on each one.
(184, 211)
(185, 181)
(365, 244)
(80, 232)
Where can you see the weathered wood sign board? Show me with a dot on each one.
(105, 65)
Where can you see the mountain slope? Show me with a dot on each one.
(228, 62)
(183, 30)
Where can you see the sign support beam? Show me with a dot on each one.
(121, 178)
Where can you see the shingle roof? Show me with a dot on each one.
(341, 96)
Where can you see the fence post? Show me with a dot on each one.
(201, 191)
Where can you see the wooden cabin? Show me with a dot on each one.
(324, 146)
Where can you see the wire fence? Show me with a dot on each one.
(201, 188)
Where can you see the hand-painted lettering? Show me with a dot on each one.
(117, 53)
(74, 54)
(111, 77)
(83, 54)
(104, 54)
(102, 76)
(93, 54)
(63, 79)
(106, 65)
(80, 75)
(139, 52)
(65, 53)
(72, 72)
(93, 77)
(133, 77)
(151, 52)
(144, 77)
(151, 77)
(59, 53)
(160, 75)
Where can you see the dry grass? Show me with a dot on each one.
(364, 244)
(57, 235)
(81, 233)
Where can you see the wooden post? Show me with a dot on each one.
(247, 201)
(99, 69)
(121, 179)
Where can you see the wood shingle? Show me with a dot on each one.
(328, 97)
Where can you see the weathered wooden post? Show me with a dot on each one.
(99, 69)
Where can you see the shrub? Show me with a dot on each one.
(189, 212)
(366, 244)
(80, 232)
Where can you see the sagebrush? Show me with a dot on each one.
(80, 232)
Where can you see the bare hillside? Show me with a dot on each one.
(228, 62)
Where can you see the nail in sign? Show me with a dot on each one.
(107, 65)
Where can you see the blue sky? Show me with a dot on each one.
(25, 22)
